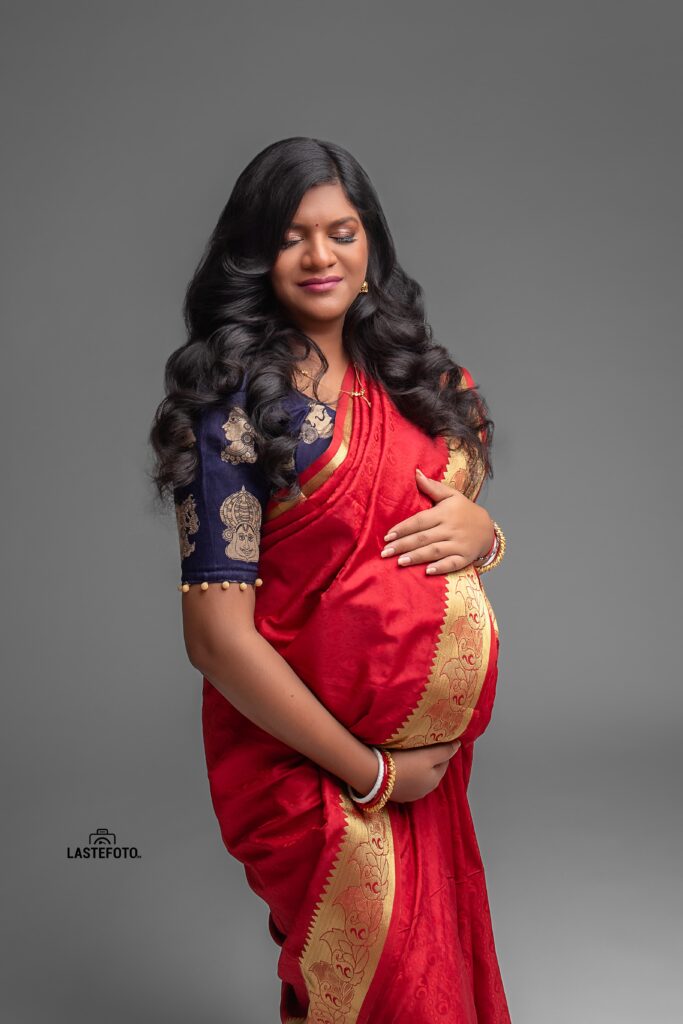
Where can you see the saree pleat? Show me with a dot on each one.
(384, 917)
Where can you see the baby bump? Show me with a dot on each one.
(400, 658)
(457, 696)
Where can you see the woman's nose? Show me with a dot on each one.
(319, 253)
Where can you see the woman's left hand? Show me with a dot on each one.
(449, 536)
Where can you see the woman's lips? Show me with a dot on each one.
(325, 286)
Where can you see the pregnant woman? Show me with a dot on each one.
(324, 457)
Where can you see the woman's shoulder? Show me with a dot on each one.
(225, 438)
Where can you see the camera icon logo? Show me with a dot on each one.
(102, 846)
(102, 837)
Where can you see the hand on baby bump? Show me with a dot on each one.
(420, 770)
(450, 535)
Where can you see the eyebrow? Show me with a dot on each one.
(332, 224)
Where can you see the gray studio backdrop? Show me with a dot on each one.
(529, 160)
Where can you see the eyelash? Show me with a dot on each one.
(344, 239)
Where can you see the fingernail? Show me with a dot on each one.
(387, 551)
(404, 560)
(418, 470)
(431, 568)
(389, 536)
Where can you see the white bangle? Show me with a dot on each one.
(493, 554)
(378, 782)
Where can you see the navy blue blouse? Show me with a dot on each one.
(219, 514)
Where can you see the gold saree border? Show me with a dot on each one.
(323, 474)
(494, 621)
(462, 652)
(350, 923)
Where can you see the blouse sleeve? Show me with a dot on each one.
(219, 514)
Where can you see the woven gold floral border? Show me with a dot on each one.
(350, 924)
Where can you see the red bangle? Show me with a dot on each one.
(387, 785)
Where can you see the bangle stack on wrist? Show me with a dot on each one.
(383, 787)
(494, 556)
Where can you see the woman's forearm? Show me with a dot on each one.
(262, 686)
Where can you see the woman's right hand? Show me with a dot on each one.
(420, 770)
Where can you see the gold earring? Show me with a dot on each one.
(364, 287)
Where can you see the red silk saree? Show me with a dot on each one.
(380, 918)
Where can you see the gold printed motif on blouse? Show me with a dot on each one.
(350, 924)
(317, 424)
(241, 514)
(188, 523)
(240, 436)
(324, 473)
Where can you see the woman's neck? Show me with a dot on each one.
(330, 383)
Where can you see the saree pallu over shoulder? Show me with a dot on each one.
(403, 660)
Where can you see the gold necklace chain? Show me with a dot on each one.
(354, 394)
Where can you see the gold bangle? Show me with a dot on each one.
(499, 554)
(391, 780)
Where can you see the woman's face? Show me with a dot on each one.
(325, 239)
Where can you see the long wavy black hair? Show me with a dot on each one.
(235, 325)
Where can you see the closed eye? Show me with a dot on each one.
(344, 239)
